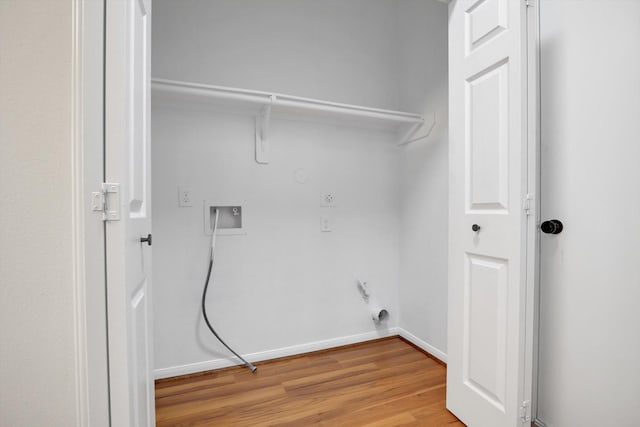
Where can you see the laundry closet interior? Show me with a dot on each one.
(320, 130)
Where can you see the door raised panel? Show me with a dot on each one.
(141, 357)
(485, 327)
(139, 138)
(485, 20)
(487, 133)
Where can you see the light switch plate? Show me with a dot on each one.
(325, 224)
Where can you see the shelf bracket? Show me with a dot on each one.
(408, 138)
(409, 134)
(263, 120)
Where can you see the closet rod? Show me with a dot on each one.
(285, 101)
(219, 92)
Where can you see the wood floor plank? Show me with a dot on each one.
(382, 383)
(350, 400)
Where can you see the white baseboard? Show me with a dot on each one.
(438, 354)
(539, 423)
(209, 365)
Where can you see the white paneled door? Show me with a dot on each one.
(127, 162)
(487, 339)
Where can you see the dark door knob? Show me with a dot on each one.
(147, 239)
(475, 227)
(553, 226)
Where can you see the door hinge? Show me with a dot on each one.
(527, 203)
(525, 411)
(107, 201)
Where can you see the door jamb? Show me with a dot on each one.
(89, 280)
(92, 390)
(533, 188)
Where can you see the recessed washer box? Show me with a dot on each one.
(230, 218)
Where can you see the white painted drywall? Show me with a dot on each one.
(422, 34)
(283, 284)
(343, 51)
(590, 282)
(37, 368)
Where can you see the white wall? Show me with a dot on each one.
(337, 50)
(285, 283)
(590, 282)
(422, 32)
(37, 377)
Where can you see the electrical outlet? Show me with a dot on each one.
(325, 224)
(184, 197)
(328, 200)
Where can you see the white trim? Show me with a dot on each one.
(540, 423)
(533, 188)
(77, 221)
(87, 236)
(438, 354)
(209, 365)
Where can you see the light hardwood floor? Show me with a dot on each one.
(379, 383)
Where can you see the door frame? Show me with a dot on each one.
(532, 309)
(89, 259)
(532, 243)
(91, 321)
(88, 239)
